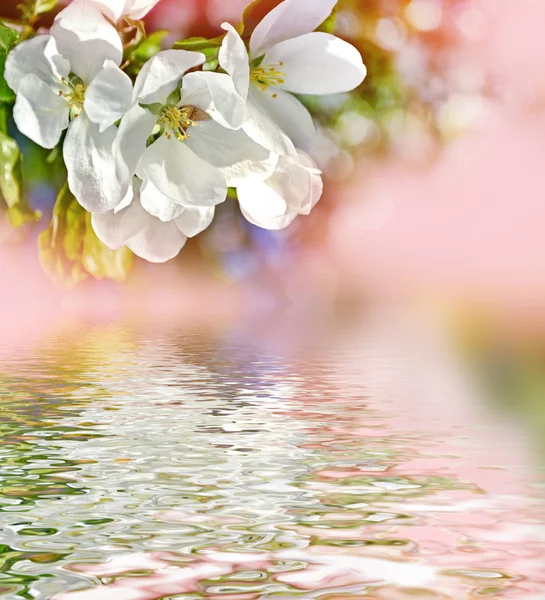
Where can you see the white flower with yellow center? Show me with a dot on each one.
(286, 56)
(186, 144)
(61, 82)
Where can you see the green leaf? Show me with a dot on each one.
(70, 251)
(210, 48)
(11, 178)
(200, 44)
(137, 56)
(8, 37)
(10, 170)
(44, 6)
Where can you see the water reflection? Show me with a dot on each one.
(138, 467)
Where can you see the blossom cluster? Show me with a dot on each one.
(151, 156)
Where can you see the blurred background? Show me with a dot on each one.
(433, 204)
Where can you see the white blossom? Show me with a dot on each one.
(197, 152)
(293, 189)
(131, 225)
(71, 79)
(286, 56)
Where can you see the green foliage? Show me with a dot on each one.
(136, 56)
(70, 251)
(210, 48)
(8, 38)
(11, 188)
(32, 9)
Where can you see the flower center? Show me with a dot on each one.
(75, 97)
(176, 121)
(265, 76)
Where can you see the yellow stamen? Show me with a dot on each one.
(265, 76)
(75, 97)
(176, 121)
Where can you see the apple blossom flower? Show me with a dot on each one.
(147, 236)
(286, 56)
(82, 89)
(293, 189)
(197, 152)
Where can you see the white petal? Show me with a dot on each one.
(92, 173)
(237, 156)
(290, 19)
(115, 229)
(86, 39)
(113, 9)
(195, 220)
(317, 63)
(215, 94)
(129, 197)
(181, 175)
(109, 96)
(262, 206)
(40, 57)
(40, 113)
(316, 184)
(132, 136)
(288, 113)
(157, 204)
(292, 184)
(263, 130)
(157, 242)
(138, 9)
(160, 76)
(233, 58)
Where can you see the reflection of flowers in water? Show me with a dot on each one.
(221, 468)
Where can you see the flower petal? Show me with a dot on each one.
(263, 130)
(157, 242)
(109, 96)
(263, 207)
(317, 63)
(290, 19)
(38, 56)
(195, 220)
(132, 136)
(113, 9)
(236, 155)
(316, 184)
(177, 172)
(138, 9)
(289, 114)
(234, 59)
(160, 76)
(293, 185)
(157, 204)
(92, 174)
(86, 39)
(215, 94)
(40, 113)
(115, 229)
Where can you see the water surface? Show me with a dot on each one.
(181, 466)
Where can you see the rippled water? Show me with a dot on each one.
(205, 466)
